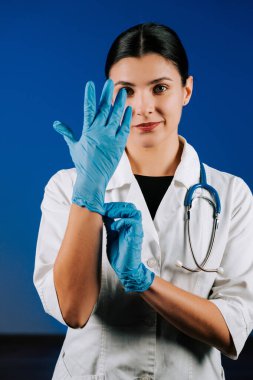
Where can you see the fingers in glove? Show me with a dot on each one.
(121, 210)
(118, 110)
(64, 130)
(131, 227)
(89, 105)
(105, 103)
(124, 129)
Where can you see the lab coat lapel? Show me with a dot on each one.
(135, 196)
(124, 177)
(186, 175)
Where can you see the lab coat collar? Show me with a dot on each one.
(187, 172)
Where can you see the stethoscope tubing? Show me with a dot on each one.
(216, 204)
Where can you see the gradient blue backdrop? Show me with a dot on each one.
(49, 50)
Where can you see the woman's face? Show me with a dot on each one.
(155, 94)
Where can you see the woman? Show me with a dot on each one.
(114, 227)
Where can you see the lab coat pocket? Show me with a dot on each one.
(75, 371)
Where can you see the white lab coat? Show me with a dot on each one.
(125, 338)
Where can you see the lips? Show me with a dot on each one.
(147, 124)
(146, 127)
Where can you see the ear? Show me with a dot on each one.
(188, 88)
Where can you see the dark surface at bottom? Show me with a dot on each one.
(33, 357)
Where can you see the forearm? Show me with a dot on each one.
(191, 314)
(76, 269)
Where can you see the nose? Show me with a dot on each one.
(143, 105)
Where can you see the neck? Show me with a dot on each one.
(156, 161)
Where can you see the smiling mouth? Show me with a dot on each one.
(147, 126)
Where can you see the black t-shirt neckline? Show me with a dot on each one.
(153, 190)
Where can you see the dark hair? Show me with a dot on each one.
(147, 38)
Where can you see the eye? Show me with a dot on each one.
(159, 86)
(128, 90)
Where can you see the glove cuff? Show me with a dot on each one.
(90, 198)
(91, 206)
(138, 280)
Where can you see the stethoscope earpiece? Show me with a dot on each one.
(179, 264)
(220, 270)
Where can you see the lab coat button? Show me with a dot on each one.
(151, 262)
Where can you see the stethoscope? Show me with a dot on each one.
(216, 208)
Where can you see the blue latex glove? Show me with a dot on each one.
(98, 152)
(124, 242)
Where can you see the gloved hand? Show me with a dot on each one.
(98, 152)
(124, 242)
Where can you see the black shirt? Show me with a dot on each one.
(153, 190)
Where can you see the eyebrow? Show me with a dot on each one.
(152, 82)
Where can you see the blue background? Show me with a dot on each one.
(49, 50)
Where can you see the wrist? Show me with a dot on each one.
(89, 204)
(137, 280)
(86, 194)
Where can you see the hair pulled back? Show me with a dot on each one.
(147, 38)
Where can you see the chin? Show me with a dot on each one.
(148, 143)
